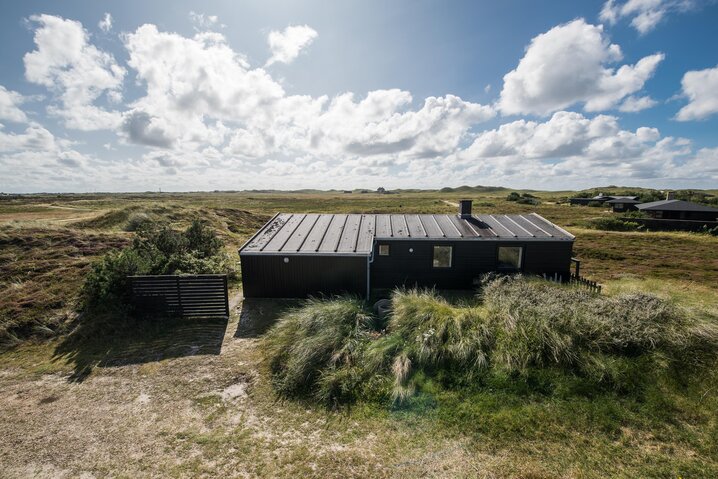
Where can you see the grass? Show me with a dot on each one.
(528, 368)
(148, 399)
(561, 338)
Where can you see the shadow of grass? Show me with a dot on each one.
(136, 341)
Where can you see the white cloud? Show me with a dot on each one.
(634, 103)
(106, 23)
(568, 65)
(35, 137)
(645, 14)
(206, 116)
(199, 92)
(9, 106)
(701, 89)
(287, 44)
(66, 63)
(204, 22)
(572, 148)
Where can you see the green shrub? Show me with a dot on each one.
(595, 204)
(156, 250)
(513, 196)
(528, 201)
(613, 224)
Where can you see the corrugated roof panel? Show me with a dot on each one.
(350, 235)
(431, 226)
(512, 221)
(301, 233)
(355, 234)
(482, 228)
(282, 236)
(365, 241)
(316, 235)
(416, 229)
(266, 234)
(555, 230)
(383, 226)
(535, 229)
(448, 227)
(333, 235)
(501, 230)
(399, 226)
(462, 226)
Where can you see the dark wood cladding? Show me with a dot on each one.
(470, 260)
(269, 276)
(187, 296)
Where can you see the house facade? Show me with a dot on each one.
(297, 255)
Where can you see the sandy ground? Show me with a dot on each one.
(166, 414)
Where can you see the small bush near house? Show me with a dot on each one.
(524, 199)
(613, 224)
(155, 250)
(595, 204)
(545, 336)
(513, 196)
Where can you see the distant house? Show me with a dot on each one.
(679, 210)
(296, 255)
(600, 198)
(622, 204)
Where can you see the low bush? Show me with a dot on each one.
(155, 250)
(333, 351)
(613, 224)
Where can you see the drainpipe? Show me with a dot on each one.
(369, 261)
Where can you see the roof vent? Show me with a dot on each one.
(465, 208)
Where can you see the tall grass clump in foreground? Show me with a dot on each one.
(315, 350)
(517, 328)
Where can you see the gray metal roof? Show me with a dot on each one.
(623, 199)
(354, 234)
(675, 205)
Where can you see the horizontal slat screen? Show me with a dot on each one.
(189, 296)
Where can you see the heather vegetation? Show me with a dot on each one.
(156, 250)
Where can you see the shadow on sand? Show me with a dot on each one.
(258, 315)
(139, 341)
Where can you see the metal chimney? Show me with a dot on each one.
(670, 195)
(465, 208)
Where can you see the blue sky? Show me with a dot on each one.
(134, 96)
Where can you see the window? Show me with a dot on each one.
(383, 250)
(442, 256)
(510, 257)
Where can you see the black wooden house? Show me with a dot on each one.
(296, 255)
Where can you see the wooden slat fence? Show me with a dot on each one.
(582, 282)
(575, 280)
(188, 296)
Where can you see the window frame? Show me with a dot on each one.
(388, 250)
(451, 256)
(520, 266)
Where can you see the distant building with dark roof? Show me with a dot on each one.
(600, 198)
(296, 255)
(679, 210)
(621, 204)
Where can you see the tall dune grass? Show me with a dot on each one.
(332, 349)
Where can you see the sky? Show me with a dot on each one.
(229, 95)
